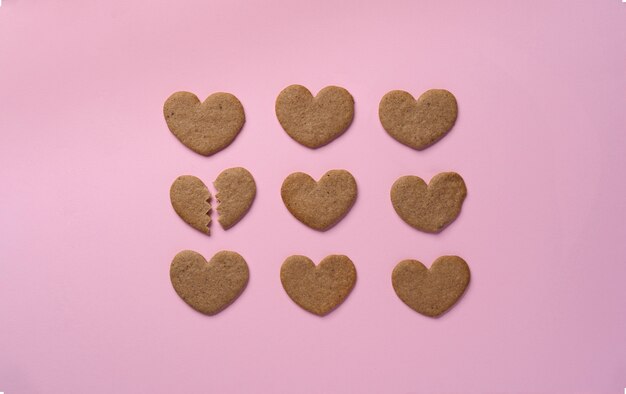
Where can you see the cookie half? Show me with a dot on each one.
(191, 200)
(236, 190)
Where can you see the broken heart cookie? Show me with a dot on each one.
(431, 207)
(190, 199)
(418, 123)
(236, 190)
(318, 289)
(433, 291)
(319, 205)
(204, 127)
(314, 121)
(209, 287)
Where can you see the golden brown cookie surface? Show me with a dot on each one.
(207, 127)
(433, 291)
(314, 121)
(431, 207)
(318, 289)
(319, 205)
(236, 190)
(418, 123)
(209, 287)
(190, 199)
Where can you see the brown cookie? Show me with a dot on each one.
(314, 121)
(235, 192)
(431, 207)
(205, 128)
(418, 123)
(318, 289)
(319, 205)
(191, 201)
(433, 291)
(209, 287)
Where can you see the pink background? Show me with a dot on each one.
(88, 233)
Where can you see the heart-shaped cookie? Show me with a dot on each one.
(190, 199)
(433, 291)
(319, 205)
(207, 127)
(209, 287)
(418, 123)
(236, 190)
(431, 207)
(314, 121)
(318, 289)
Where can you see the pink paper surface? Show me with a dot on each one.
(88, 233)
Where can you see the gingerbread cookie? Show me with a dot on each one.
(431, 207)
(209, 287)
(318, 289)
(314, 121)
(207, 127)
(433, 291)
(319, 205)
(236, 190)
(191, 200)
(418, 123)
